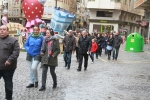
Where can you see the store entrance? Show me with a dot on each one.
(103, 28)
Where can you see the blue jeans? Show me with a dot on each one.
(115, 53)
(92, 56)
(33, 65)
(67, 56)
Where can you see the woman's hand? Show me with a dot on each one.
(42, 54)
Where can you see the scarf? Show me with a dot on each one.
(36, 35)
(49, 42)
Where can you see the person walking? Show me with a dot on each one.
(94, 47)
(109, 46)
(116, 45)
(105, 43)
(33, 47)
(9, 52)
(77, 49)
(84, 45)
(98, 41)
(49, 52)
(69, 48)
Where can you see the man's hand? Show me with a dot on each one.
(7, 63)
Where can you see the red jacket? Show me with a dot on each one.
(94, 47)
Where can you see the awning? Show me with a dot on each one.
(142, 4)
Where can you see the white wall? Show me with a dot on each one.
(116, 14)
(91, 26)
(101, 4)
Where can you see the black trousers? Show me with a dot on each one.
(109, 54)
(8, 77)
(44, 74)
(77, 53)
(99, 51)
(85, 60)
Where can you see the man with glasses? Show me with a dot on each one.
(9, 52)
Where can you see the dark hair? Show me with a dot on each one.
(51, 31)
(36, 26)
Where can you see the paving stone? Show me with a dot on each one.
(128, 78)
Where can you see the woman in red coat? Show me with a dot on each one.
(94, 47)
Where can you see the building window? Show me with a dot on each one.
(104, 14)
(125, 2)
(118, 0)
(129, 2)
(91, 0)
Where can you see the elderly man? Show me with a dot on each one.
(9, 52)
(69, 48)
(84, 45)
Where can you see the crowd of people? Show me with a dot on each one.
(44, 47)
(92, 44)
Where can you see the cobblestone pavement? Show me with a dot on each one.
(128, 78)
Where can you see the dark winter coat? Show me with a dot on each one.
(110, 42)
(84, 44)
(117, 41)
(9, 51)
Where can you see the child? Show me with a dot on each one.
(94, 47)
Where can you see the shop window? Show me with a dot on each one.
(104, 14)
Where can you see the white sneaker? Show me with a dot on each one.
(92, 62)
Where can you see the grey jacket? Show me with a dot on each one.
(9, 51)
(69, 43)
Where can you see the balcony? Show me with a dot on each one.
(104, 4)
(142, 4)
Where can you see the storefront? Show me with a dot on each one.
(103, 25)
(113, 25)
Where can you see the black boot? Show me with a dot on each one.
(54, 85)
(36, 84)
(30, 86)
(42, 88)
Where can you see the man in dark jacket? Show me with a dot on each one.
(9, 52)
(116, 45)
(84, 45)
(69, 48)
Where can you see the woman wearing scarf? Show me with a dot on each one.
(33, 47)
(49, 51)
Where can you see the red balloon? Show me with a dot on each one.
(32, 9)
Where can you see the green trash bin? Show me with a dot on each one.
(134, 43)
